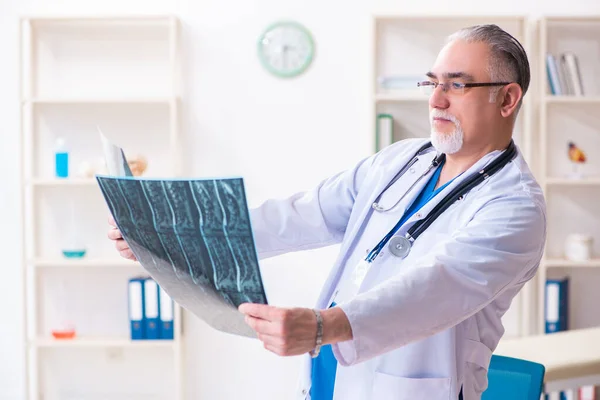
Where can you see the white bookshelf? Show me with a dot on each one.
(572, 203)
(121, 73)
(408, 46)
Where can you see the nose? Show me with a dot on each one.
(438, 99)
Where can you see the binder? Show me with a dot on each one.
(557, 317)
(135, 294)
(557, 305)
(151, 309)
(166, 315)
(384, 131)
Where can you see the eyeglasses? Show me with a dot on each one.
(427, 87)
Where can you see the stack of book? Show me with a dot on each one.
(564, 75)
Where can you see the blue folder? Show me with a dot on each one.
(557, 313)
(151, 309)
(166, 314)
(135, 295)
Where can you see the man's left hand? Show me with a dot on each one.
(283, 331)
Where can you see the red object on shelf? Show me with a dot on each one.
(67, 334)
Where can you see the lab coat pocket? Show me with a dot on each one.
(389, 387)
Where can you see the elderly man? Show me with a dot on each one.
(436, 240)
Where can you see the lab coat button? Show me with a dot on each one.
(303, 392)
(418, 215)
(412, 170)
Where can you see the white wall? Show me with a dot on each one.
(282, 136)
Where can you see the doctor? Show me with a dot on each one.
(435, 242)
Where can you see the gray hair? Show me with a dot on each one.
(508, 60)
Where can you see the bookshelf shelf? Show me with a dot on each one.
(100, 100)
(63, 182)
(571, 99)
(83, 263)
(128, 21)
(562, 263)
(400, 97)
(572, 182)
(99, 342)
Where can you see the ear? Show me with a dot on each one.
(509, 98)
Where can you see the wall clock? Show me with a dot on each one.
(286, 49)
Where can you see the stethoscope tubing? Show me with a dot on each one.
(461, 190)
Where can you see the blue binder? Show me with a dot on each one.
(166, 314)
(151, 309)
(135, 295)
(556, 315)
(557, 305)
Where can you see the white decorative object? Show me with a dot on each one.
(578, 247)
(85, 169)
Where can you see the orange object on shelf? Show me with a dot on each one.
(67, 334)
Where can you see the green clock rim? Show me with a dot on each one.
(297, 71)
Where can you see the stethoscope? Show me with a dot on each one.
(400, 245)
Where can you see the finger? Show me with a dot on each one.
(121, 245)
(111, 220)
(115, 234)
(264, 327)
(276, 341)
(262, 311)
(281, 351)
(128, 254)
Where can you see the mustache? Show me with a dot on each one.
(435, 113)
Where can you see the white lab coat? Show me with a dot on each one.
(425, 325)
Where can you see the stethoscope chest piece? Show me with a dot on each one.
(399, 246)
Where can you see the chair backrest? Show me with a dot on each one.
(514, 379)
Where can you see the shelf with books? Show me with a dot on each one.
(571, 59)
(569, 171)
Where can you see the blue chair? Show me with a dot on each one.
(514, 379)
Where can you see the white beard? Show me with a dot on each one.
(448, 143)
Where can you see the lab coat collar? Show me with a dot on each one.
(424, 211)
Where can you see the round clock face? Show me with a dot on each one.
(286, 49)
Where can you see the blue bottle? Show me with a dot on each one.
(61, 159)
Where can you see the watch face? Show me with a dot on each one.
(286, 49)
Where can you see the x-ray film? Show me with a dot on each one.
(194, 238)
(116, 163)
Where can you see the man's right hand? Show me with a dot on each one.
(115, 234)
